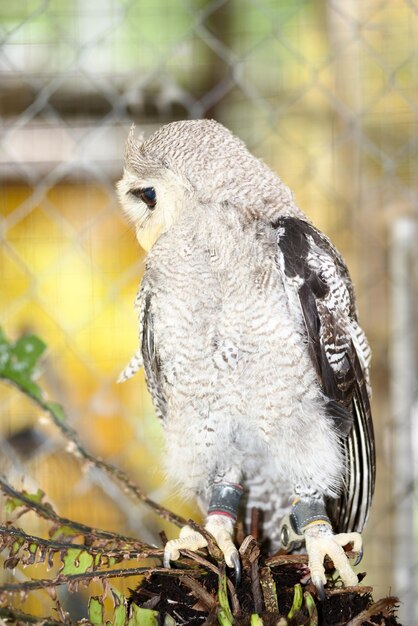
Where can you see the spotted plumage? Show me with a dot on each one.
(249, 335)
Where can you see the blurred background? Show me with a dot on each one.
(325, 91)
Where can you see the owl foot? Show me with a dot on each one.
(321, 541)
(221, 528)
(189, 539)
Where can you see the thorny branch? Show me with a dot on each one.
(74, 579)
(117, 553)
(210, 566)
(46, 511)
(127, 485)
(381, 607)
(12, 616)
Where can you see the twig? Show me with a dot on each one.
(200, 592)
(199, 559)
(255, 523)
(285, 559)
(88, 576)
(250, 553)
(47, 512)
(9, 531)
(213, 548)
(57, 415)
(24, 618)
(384, 606)
(256, 589)
(342, 590)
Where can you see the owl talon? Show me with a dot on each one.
(189, 539)
(221, 527)
(355, 538)
(321, 542)
(320, 589)
(359, 556)
(166, 560)
(237, 568)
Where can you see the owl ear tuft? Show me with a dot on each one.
(133, 144)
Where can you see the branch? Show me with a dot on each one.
(74, 579)
(47, 512)
(284, 559)
(199, 559)
(17, 368)
(48, 544)
(15, 616)
(386, 607)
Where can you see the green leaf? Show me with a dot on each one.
(223, 618)
(96, 611)
(297, 601)
(25, 384)
(312, 610)
(76, 561)
(35, 497)
(16, 545)
(27, 351)
(142, 617)
(256, 620)
(4, 351)
(22, 357)
(56, 410)
(169, 620)
(12, 504)
(120, 612)
(30, 388)
(223, 599)
(63, 531)
(18, 360)
(3, 339)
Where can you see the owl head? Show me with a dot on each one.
(189, 162)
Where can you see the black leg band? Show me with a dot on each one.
(225, 500)
(305, 512)
(302, 514)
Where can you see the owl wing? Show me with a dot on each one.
(147, 355)
(150, 355)
(317, 280)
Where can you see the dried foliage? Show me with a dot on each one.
(198, 591)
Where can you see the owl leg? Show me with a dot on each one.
(309, 522)
(220, 520)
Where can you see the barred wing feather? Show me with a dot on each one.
(316, 277)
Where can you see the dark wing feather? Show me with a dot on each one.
(151, 360)
(313, 269)
(351, 510)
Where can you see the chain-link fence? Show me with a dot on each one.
(326, 92)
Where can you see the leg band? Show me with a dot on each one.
(225, 500)
(304, 513)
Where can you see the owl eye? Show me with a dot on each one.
(147, 195)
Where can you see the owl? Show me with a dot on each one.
(252, 351)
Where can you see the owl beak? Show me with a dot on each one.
(148, 236)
